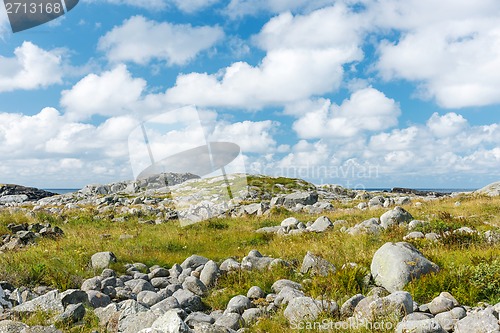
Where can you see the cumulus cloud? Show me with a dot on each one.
(366, 110)
(252, 137)
(31, 68)
(187, 6)
(240, 8)
(111, 93)
(450, 49)
(140, 40)
(297, 64)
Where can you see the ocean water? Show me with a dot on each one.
(437, 190)
(61, 190)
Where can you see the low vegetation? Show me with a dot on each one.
(470, 269)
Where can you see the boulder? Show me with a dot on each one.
(485, 321)
(194, 262)
(316, 265)
(255, 292)
(444, 302)
(300, 198)
(492, 190)
(102, 260)
(371, 227)
(395, 216)
(321, 224)
(395, 264)
(50, 302)
(232, 321)
(209, 274)
(238, 304)
(194, 285)
(420, 326)
(170, 322)
(301, 309)
(280, 284)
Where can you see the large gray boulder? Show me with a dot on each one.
(321, 224)
(50, 302)
(420, 326)
(492, 189)
(395, 264)
(238, 304)
(395, 216)
(316, 265)
(9, 326)
(302, 308)
(170, 322)
(102, 260)
(302, 198)
(479, 322)
(194, 262)
(209, 274)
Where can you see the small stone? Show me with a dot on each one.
(316, 265)
(255, 292)
(238, 304)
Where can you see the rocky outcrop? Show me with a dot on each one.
(10, 193)
(491, 190)
(395, 264)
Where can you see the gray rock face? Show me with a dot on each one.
(347, 309)
(194, 262)
(448, 319)
(98, 299)
(255, 292)
(395, 264)
(149, 298)
(50, 302)
(238, 304)
(9, 326)
(395, 217)
(280, 284)
(492, 189)
(321, 224)
(290, 222)
(16, 193)
(73, 296)
(187, 300)
(72, 314)
(420, 326)
(170, 322)
(480, 322)
(138, 321)
(444, 302)
(302, 308)
(209, 274)
(194, 285)
(102, 260)
(302, 198)
(371, 227)
(232, 321)
(316, 265)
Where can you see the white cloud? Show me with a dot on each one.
(140, 40)
(111, 93)
(448, 125)
(252, 137)
(451, 49)
(239, 8)
(366, 110)
(191, 6)
(187, 6)
(297, 65)
(30, 68)
(150, 4)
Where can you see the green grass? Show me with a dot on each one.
(469, 268)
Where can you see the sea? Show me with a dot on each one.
(437, 190)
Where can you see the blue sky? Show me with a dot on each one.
(359, 93)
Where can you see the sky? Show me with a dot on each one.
(368, 93)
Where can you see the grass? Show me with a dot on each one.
(469, 268)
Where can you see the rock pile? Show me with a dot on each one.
(26, 234)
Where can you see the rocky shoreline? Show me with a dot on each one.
(155, 299)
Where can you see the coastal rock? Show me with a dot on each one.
(492, 190)
(395, 264)
(395, 216)
(316, 265)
